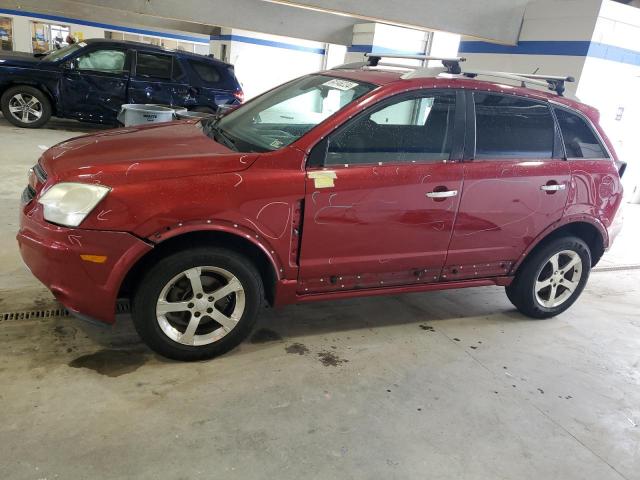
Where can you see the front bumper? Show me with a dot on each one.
(53, 254)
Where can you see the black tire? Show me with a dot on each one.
(43, 106)
(536, 267)
(164, 271)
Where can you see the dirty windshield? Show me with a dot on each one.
(283, 115)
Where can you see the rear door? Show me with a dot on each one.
(515, 184)
(94, 84)
(382, 193)
(156, 79)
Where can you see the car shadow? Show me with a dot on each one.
(62, 124)
(287, 324)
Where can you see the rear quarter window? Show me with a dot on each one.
(579, 139)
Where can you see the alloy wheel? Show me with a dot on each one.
(25, 108)
(558, 278)
(200, 305)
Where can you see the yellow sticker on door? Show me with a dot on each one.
(323, 178)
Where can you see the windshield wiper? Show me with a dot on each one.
(212, 130)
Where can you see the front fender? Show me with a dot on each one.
(235, 229)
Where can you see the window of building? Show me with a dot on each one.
(512, 127)
(168, 43)
(6, 34)
(416, 129)
(153, 65)
(579, 139)
(47, 36)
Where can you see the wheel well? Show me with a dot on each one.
(583, 230)
(199, 239)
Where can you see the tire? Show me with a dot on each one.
(167, 281)
(541, 291)
(16, 99)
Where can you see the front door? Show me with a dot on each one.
(381, 202)
(515, 185)
(94, 85)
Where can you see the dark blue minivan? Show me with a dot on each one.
(91, 80)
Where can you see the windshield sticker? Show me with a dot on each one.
(340, 84)
(82, 44)
(276, 144)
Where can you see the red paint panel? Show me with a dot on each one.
(379, 220)
(503, 209)
(595, 193)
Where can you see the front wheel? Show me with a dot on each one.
(25, 106)
(552, 279)
(197, 304)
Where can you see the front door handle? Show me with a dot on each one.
(445, 194)
(553, 187)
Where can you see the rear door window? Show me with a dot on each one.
(579, 139)
(208, 73)
(512, 127)
(154, 65)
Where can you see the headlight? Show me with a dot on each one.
(69, 204)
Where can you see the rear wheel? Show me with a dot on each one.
(25, 106)
(198, 303)
(552, 279)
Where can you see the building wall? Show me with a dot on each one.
(264, 61)
(611, 82)
(21, 23)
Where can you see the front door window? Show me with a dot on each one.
(108, 61)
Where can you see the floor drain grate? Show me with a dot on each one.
(29, 314)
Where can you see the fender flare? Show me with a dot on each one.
(234, 229)
(556, 226)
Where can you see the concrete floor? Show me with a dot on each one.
(451, 384)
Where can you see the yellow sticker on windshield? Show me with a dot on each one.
(323, 178)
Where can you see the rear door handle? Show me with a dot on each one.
(553, 188)
(445, 194)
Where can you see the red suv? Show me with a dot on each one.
(351, 182)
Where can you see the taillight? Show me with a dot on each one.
(239, 95)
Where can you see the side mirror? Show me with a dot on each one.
(70, 65)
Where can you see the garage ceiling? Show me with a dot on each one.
(329, 21)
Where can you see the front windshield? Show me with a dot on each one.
(55, 55)
(281, 116)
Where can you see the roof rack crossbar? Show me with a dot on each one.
(555, 83)
(452, 64)
(552, 82)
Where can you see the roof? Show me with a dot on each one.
(393, 79)
(150, 47)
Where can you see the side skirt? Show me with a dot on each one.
(286, 290)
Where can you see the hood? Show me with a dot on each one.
(138, 154)
(17, 59)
